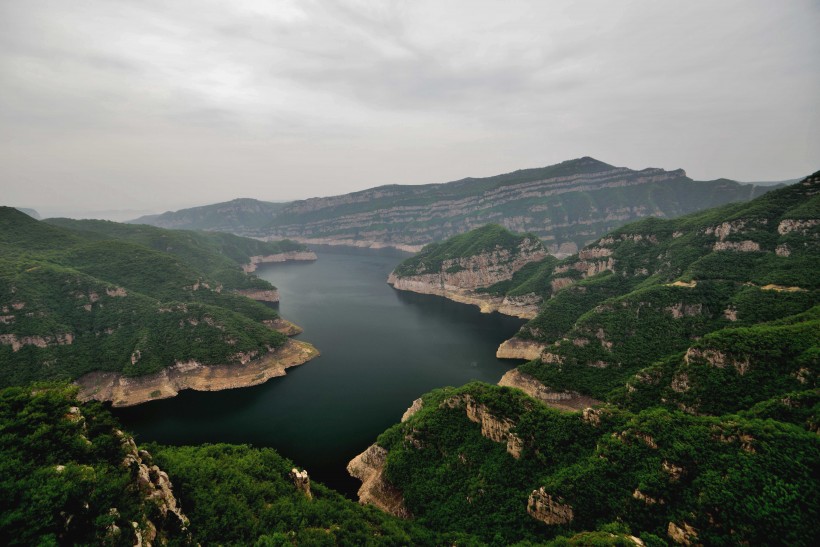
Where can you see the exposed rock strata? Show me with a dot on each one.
(415, 407)
(492, 427)
(548, 509)
(349, 242)
(262, 295)
(458, 279)
(520, 348)
(561, 400)
(396, 215)
(254, 261)
(301, 481)
(368, 467)
(155, 486)
(283, 326)
(128, 391)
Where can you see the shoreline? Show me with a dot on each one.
(125, 391)
(485, 302)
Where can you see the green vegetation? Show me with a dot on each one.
(572, 202)
(63, 476)
(238, 495)
(489, 238)
(732, 477)
(663, 284)
(80, 296)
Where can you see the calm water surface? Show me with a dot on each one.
(380, 350)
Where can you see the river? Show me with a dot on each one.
(381, 349)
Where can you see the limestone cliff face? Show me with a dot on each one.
(548, 509)
(520, 348)
(262, 295)
(492, 427)
(532, 201)
(128, 391)
(457, 279)
(255, 261)
(155, 487)
(562, 400)
(368, 467)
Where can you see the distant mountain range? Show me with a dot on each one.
(567, 205)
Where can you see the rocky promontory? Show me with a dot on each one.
(255, 261)
(128, 391)
(458, 268)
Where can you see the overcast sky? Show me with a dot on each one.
(159, 104)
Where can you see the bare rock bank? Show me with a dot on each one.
(561, 400)
(254, 261)
(129, 391)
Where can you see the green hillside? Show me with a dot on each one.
(703, 335)
(80, 296)
(567, 205)
(726, 479)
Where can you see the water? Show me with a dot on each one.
(381, 349)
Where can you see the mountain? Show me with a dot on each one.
(124, 309)
(696, 341)
(567, 205)
(240, 216)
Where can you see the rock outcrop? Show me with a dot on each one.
(459, 278)
(262, 295)
(301, 481)
(561, 400)
(548, 509)
(255, 261)
(155, 487)
(128, 391)
(492, 427)
(368, 467)
(520, 348)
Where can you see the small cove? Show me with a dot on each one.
(381, 349)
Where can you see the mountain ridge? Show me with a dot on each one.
(567, 204)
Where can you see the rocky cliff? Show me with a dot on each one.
(128, 391)
(255, 261)
(368, 467)
(457, 268)
(561, 400)
(568, 205)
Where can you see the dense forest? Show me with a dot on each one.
(700, 336)
(80, 296)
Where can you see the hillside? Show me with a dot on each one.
(492, 462)
(464, 266)
(240, 216)
(85, 296)
(567, 205)
(697, 340)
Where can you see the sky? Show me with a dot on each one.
(113, 108)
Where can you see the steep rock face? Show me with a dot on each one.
(543, 201)
(520, 348)
(255, 261)
(262, 295)
(128, 391)
(562, 400)
(368, 467)
(492, 427)
(155, 487)
(458, 278)
(549, 510)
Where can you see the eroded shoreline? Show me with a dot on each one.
(128, 391)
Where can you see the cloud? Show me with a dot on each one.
(196, 101)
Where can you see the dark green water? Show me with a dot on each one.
(380, 350)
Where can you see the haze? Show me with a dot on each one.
(143, 106)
